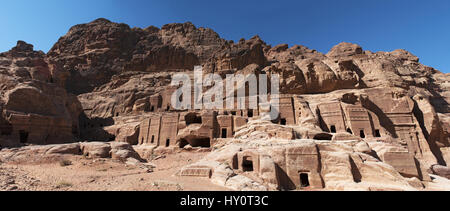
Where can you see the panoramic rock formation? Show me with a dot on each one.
(34, 108)
(349, 119)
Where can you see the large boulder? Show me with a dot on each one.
(70, 149)
(122, 151)
(96, 149)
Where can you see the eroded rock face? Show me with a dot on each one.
(118, 151)
(92, 53)
(288, 165)
(34, 108)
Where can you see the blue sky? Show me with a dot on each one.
(421, 27)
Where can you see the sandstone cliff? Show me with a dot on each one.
(34, 108)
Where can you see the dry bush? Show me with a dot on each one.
(64, 163)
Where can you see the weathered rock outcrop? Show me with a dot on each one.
(34, 109)
(93, 53)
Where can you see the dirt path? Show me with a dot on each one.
(104, 175)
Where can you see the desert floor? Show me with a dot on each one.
(103, 175)
(84, 174)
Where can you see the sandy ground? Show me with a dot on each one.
(104, 175)
(85, 174)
